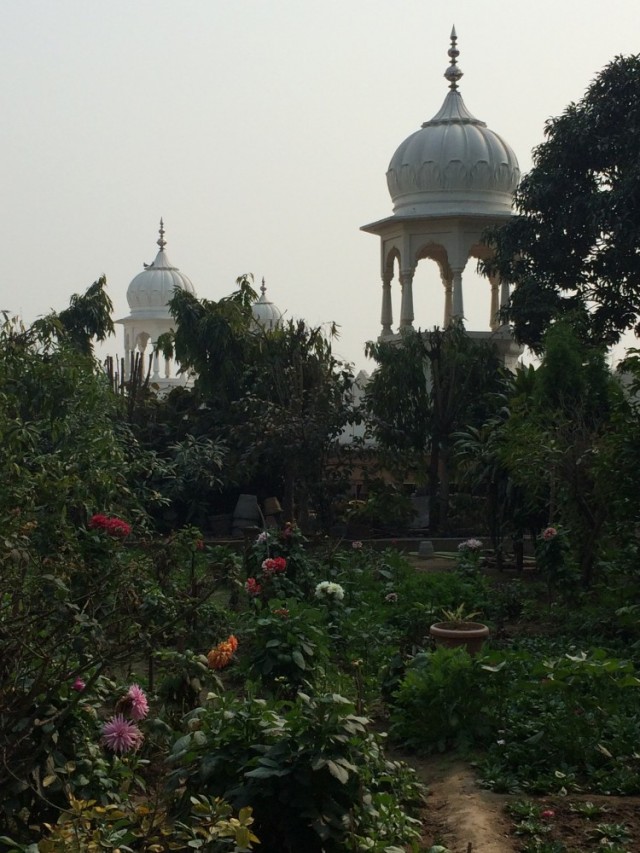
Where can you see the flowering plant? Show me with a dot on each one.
(552, 558)
(273, 565)
(120, 733)
(329, 590)
(282, 612)
(469, 556)
(252, 587)
(470, 545)
(111, 525)
(221, 655)
(134, 703)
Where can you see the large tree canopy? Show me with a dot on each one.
(574, 248)
(427, 386)
(277, 398)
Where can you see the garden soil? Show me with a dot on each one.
(465, 818)
(458, 814)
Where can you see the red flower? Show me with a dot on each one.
(547, 814)
(110, 525)
(274, 565)
(549, 533)
(253, 587)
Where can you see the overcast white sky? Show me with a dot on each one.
(261, 130)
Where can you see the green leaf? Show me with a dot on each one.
(339, 772)
(182, 744)
(298, 659)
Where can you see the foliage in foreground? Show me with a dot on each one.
(314, 754)
(545, 722)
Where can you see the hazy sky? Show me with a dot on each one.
(261, 130)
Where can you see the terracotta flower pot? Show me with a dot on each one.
(471, 635)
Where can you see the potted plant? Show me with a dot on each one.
(458, 628)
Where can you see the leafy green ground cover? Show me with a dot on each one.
(271, 679)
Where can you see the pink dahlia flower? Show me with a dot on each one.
(549, 533)
(78, 685)
(121, 735)
(139, 707)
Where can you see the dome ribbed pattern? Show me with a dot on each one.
(265, 313)
(453, 165)
(153, 288)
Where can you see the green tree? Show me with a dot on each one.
(87, 317)
(278, 399)
(294, 408)
(557, 436)
(573, 250)
(427, 387)
(66, 591)
(212, 340)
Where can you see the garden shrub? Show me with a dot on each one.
(440, 702)
(287, 646)
(145, 824)
(569, 721)
(313, 775)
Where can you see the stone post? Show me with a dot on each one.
(406, 310)
(386, 314)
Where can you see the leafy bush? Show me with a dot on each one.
(287, 646)
(309, 769)
(569, 721)
(439, 703)
(84, 825)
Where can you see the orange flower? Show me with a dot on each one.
(221, 655)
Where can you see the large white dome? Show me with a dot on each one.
(151, 290)
(265, 314)
(454, 164)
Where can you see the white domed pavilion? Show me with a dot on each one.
(148, 295)
(266, 315)
(449, 181)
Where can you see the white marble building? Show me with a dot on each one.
(448, 181)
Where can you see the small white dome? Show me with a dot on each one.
(265, 313)
(151, 290)
(454, 164)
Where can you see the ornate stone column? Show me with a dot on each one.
(457, 312)
(386, 314)
(494, 319)
(447, 281)
(406, 310)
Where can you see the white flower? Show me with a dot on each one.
(262, 538)
(357, 544)
(328, 589)
(470, 545)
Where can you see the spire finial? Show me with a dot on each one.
(263, 287)
(453, 73)
(162, 242)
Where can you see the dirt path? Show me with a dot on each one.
(458, 814)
